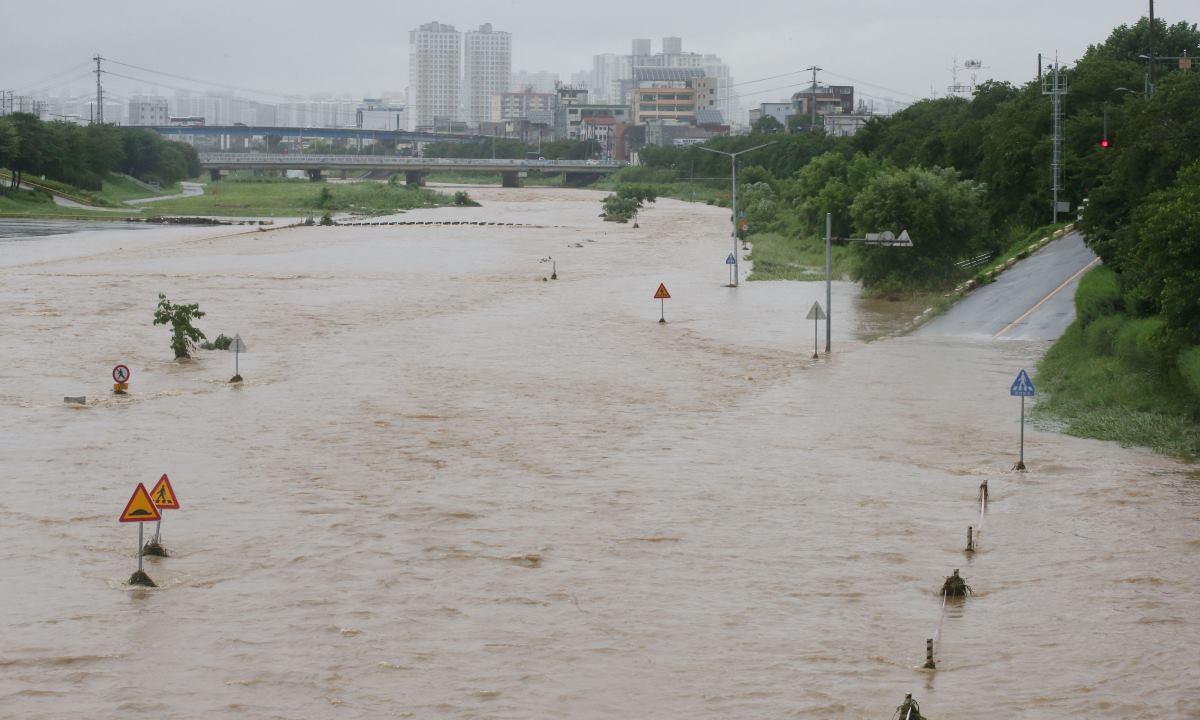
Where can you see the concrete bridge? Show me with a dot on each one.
(273, 134)
(512, 171)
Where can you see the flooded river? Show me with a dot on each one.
(450, 489)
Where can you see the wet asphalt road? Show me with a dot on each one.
(1034, 300)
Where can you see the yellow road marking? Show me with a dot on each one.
(1041, 302)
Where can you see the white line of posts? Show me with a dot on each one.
(733, 162)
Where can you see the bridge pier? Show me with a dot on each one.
(315, 175)
(512, 178)
(414, 178)
(273, 143)
(214, 174)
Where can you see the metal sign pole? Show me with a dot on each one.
(158, 530)
(236, 358)
(662, 310)
(828, 281)
(1022, 463)
(140, 546)
(815, 331)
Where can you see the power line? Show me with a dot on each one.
(878, 87)
(771, 77)
(199, 82)
(36, 85)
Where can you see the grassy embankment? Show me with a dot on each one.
(277, 197)
(35, 203)
(1106, 378)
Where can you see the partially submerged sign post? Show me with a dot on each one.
(238, 347)
(140, 509)
(164, 498)
(731, 261)
(120, 376)
(662, 296)
(816, 314)
(1022, 387)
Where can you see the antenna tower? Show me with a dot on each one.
(99, 92)
(1054, 84)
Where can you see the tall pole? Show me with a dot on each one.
(100, 103)
(733, 161)
(828, 283)
(1022, 462)
(812, 100)
(140, 546)
(1151, 60)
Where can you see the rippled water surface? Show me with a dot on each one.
(451, 489)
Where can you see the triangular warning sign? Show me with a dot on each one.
(816, 312)
(662, 293)
(163, 495)
(140, 508)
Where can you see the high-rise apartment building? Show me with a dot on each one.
(434, 74)
(147, 111)
(487, 69)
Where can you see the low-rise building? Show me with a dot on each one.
(148, 112)
(516, 105)
(845, 125)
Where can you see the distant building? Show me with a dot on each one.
(487, 69)
(845, 125)
(829, 100)
(778, 110)
(569, 119)
(375, 114)
(434, 80)
(669, 93)
(148, 112)
(543, 82)
(518, 105)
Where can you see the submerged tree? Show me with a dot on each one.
(183, 334)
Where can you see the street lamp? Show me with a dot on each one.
(733, 163)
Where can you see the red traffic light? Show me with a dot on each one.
(1105, 143)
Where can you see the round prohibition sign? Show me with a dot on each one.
(120, 374)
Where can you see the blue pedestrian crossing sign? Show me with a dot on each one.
(731, 260)
(1022, 386)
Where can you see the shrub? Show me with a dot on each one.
(326, 219)
(462, 199)
(222, 342)
(1137, 344)
(1101, 335)
(1099, 294)
(183, 334)
(1189, 368)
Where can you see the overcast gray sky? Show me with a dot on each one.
(361, 46)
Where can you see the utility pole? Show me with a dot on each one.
(1055, 85)
(812, 98)
(1150, 68)
(99, 93)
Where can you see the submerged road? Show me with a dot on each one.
(1034, 300)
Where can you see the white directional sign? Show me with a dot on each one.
(816, 312)
(237, 345)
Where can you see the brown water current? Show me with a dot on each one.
(448, 489)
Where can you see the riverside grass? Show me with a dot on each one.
(1098, 382)
(288, 198)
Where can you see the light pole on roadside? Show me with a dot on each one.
(733, 163)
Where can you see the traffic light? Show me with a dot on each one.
(1105, 143)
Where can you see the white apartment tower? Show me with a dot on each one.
(434, 80)
(487, 69)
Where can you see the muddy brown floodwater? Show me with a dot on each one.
(448, 489)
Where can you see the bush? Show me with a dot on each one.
(1189, 368)
(183, 334)
(222, 342)
(1099, 294)
(620, 209)
(1137, 343)
(1101, 335)
(327, 219)
(462, 199)
(644, 174)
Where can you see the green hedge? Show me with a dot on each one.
(1099, 294)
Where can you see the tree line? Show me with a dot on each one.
(82, 155)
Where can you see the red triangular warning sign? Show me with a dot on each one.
(662, 293)
(163, 495)
(140, 508)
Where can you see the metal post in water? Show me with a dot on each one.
(1021, 461)
(970, 538)
(158, 530)
(929, 664)
(140, 546)
(828, 281)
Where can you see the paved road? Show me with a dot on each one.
(1034, 300)
(188, 189)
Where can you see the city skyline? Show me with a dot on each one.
(887, 52)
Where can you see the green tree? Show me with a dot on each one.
(183, 334)
(944, 216)
(767, 124)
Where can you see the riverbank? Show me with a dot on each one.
(1105, 378)
(278, 197)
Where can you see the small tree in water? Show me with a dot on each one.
(183, 334)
